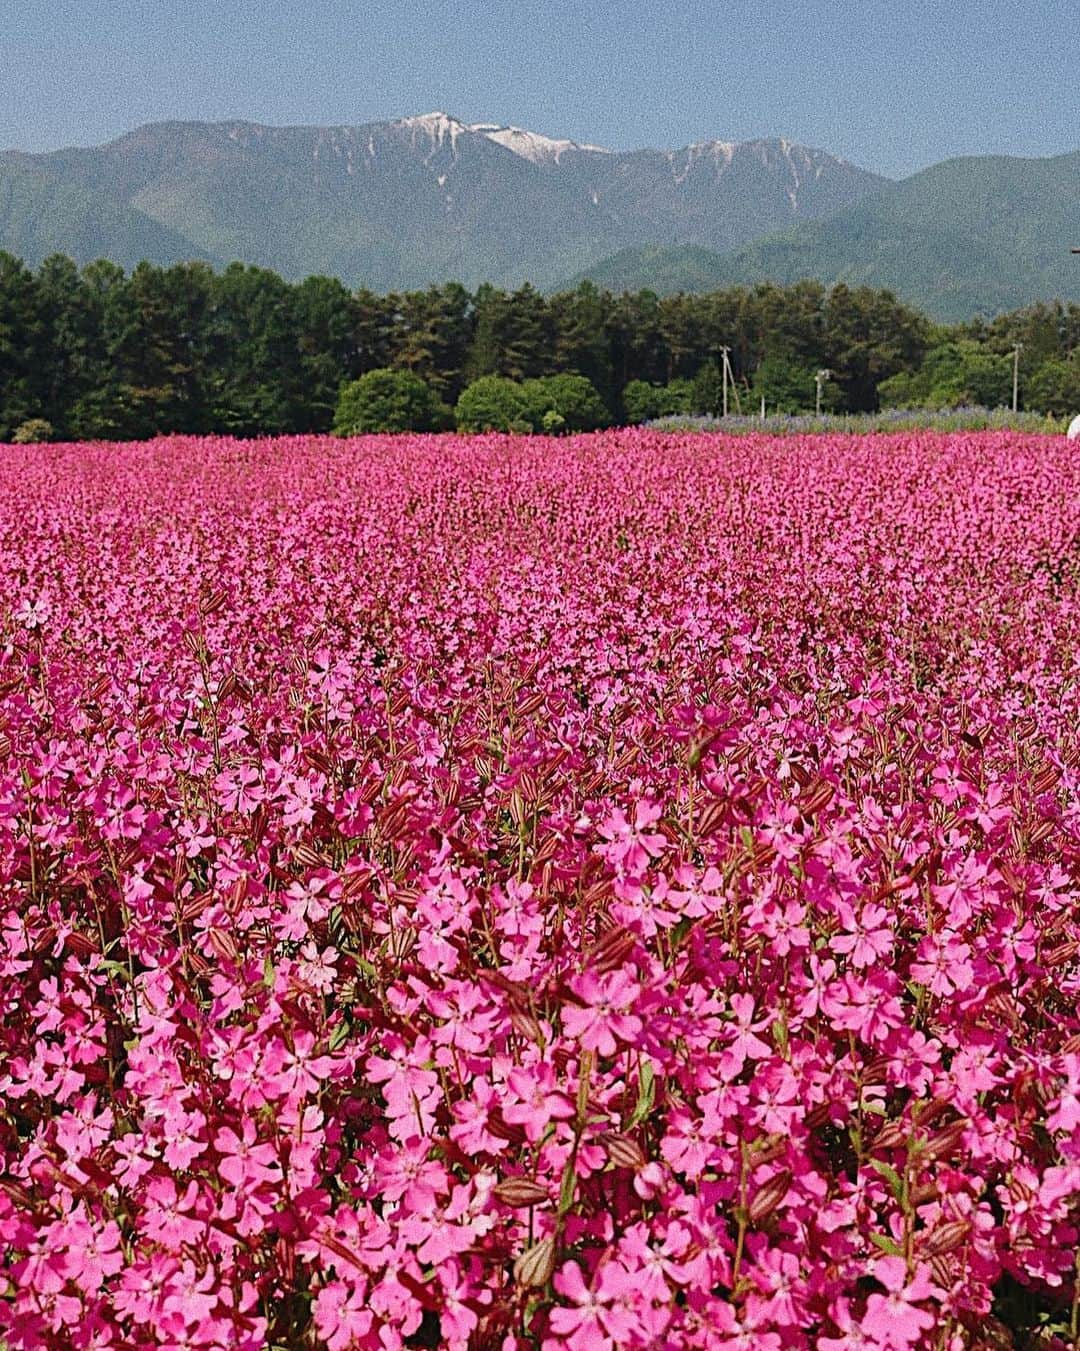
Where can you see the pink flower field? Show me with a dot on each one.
(615, 892)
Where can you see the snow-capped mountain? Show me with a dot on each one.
(407, 202)
(530, 145)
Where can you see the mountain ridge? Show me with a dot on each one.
(970, 235)
(418, 200)
(422, 200)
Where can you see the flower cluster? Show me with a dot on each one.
(620, 892)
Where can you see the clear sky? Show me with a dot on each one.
(893, 85)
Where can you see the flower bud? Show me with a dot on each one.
(520, 1191)
(623, 1151)
(946, 1238)
(536, 1265)
(767, 1198)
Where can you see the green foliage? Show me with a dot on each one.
(703, 395)
(432, 331)
(323, 326)
(966, 237)
(572, 396)
(493, 403)
(386, 401)
(582, 343)
(786, 384)
(708, 395)
(668, 270)
(903, 390)
(954, 374)
(33, 431)
(988, 379)
(551, 403)
(1054, 386)
(869, 336)
(676, 398)
(641, 401)
(513, 334)
(100, 353)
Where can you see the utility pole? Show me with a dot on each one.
(1016, 375)
(820, 379)
(724, 365)
(729, 379)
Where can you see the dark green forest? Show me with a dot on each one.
(95, 352)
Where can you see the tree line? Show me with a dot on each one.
(95, 352)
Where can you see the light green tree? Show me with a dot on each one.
(387, 401)
(641, 401)
(32, 431)
(492, 404)
(572, 396)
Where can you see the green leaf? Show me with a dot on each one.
(368, 968)
(340, 1035)
(891, 1176)
(646, 1093)
(569, 1186)
(887, 1245)
(584, 1079)
(680, 930)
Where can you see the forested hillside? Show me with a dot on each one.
(97, 352)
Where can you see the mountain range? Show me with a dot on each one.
(403, 204)
(965, 237)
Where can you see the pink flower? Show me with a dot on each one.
(239, 789)
(943, 967)
(894, 1319)
(631, 844)
(340, 1313)
(605, 1018)
(745, 1045)
(580, 1323)
(243, 1162)
(33, 614)
(867, 939)
(536, 1100)
(1064, 1114)
(393, 800)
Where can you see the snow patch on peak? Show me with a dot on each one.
(721, 153)
(531, 145)
(440, 127)
(720, 150)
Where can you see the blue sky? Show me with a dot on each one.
(893, 85)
